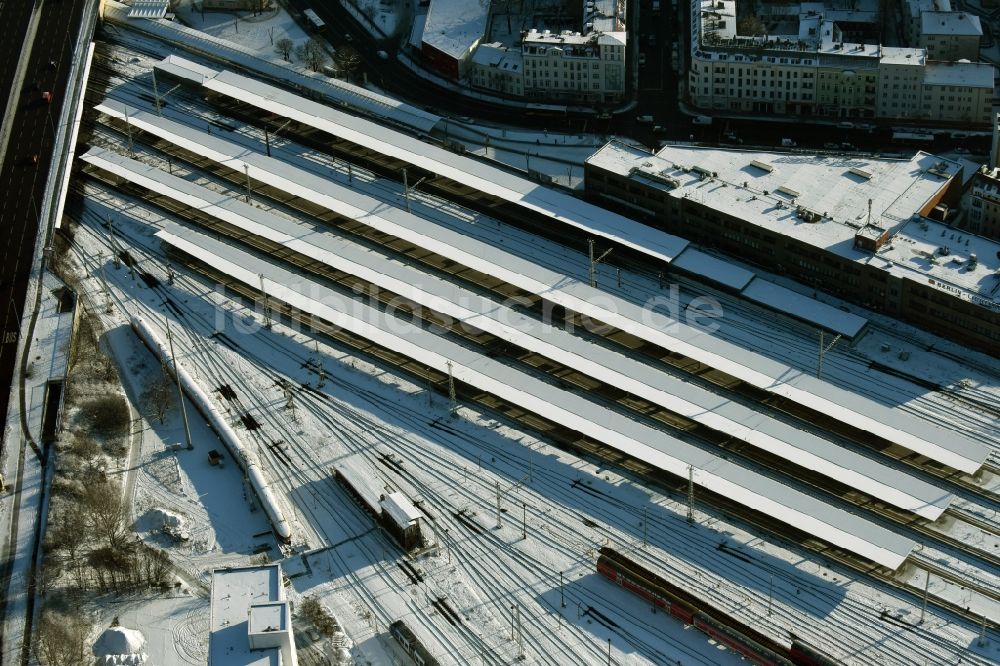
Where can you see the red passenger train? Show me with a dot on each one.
(745, 641)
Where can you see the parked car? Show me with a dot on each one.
(702, 120)
(644, 119)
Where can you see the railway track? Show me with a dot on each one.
(854, 565)
(904, 522)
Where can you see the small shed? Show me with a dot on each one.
(401, 519)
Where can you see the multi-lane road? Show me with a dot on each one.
(38, 46)
(31, 122)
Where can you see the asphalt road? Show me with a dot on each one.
(22, 183)
(657, 95)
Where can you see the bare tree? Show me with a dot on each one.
(312, 54)
(159, 396)
(61, 639)
(347, 60)
(67, 534)
(284, 47)
(105, 513)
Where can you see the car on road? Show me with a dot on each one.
(46, 97)
(644, 119)
(642, 59)
(702, 120)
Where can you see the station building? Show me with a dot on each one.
(861, 228)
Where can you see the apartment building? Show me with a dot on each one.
(912, 9)
(574, 67)
(982, 204)
(565, 66)
(950, 35)
(498, 68)
(814, 71)
(857, 227)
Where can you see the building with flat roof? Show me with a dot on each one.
(808, 66)
(585, 66)
(251, 621)
(451, 31)
(859, 227)
(950, 35)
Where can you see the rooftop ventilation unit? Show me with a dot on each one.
(763, 166)
(788, 191)
(867, 175)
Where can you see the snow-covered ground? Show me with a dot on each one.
(454, 464)
(556, 509)
(259, 33)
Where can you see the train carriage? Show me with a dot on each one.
(680, 603)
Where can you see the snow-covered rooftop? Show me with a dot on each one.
(499, 56)
(970, 74)
(955, 24)
(769, 188)
(918, 6)
(400, 509)
(234, 591)
(455, 27)
(628, 374)
(484, 177)
(362, 479)
(948, 447)
(898, 55)
(655, 447)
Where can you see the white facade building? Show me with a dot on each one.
(812, 71)
(574, 67)
(251, 621)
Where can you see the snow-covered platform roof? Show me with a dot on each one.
(634, 376)
(947, 447)
(362, 478)
(473, 173)
(654, 447)
(510, 187)
(400, 509)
